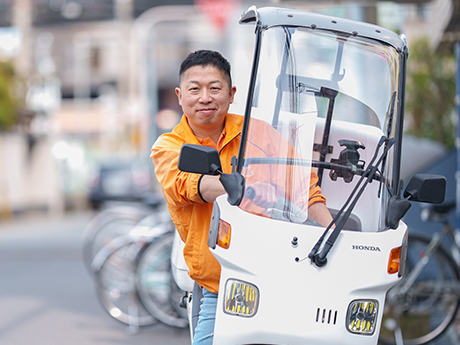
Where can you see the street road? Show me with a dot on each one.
(46, 295)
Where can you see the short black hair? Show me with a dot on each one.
(206, 58)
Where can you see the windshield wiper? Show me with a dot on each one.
(389, 127)
(320, 259)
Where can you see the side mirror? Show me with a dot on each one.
(426, 188)
(205, 160)
(199, 160)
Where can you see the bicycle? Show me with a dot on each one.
(134, 279)
(157, 289)
(114, 268)
(107, 225)
(113, 222)
(422, 306)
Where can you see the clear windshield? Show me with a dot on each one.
(322, 103)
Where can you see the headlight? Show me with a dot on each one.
(362, 316)
(241, 298)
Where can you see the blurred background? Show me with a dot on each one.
(86, 86)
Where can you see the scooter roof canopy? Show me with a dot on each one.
(268, 17)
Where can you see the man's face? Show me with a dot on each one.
(205, 96)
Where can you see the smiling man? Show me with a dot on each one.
(205, 93)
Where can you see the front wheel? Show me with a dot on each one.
(430, 304)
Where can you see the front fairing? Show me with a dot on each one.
(322, 100)
(299, 303)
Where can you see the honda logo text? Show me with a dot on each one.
(369, 248)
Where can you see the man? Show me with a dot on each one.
(205, 93)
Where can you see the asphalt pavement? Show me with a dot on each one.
(47, 296)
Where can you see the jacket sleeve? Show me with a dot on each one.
(315, 191)
(179, 188)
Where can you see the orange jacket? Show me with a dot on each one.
(189, 212)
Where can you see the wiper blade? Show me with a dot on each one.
(320, 259)
(391, 112)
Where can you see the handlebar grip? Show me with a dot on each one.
(250, 193)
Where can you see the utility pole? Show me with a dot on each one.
(124, 20)
(370, 11)
(124, 10)
(22, 20)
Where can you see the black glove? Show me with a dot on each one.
(234, 184)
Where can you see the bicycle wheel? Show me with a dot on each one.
(429, 306)
(157, 289)
(116, 288)
(106, 226)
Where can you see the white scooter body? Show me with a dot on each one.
(300, 303)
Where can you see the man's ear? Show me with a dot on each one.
(179, 95)
(232, 94)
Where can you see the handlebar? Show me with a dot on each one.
(283, 209)
(348, 168)
(250, 193)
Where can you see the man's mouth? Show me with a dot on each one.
(207, 110)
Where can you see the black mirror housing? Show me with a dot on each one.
(205, 160)
(199, 159)
(426, 188)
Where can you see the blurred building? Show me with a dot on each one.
(97, 74)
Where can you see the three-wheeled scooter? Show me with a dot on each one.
(325, 109)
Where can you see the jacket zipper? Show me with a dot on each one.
(229, 142)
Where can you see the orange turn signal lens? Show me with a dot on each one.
(224, 234)
(394, 260)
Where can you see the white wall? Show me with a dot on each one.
(28, 180)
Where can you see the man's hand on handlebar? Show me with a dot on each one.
(264, 194)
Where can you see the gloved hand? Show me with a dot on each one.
(234, 184)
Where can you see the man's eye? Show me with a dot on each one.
(193, 89)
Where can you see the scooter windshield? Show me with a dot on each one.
(321, 104)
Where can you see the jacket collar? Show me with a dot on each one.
(233, 125)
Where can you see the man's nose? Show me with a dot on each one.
(205, 96)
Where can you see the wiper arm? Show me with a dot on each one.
(389, 128)
(320, 259)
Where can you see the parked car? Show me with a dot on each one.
(123, 180)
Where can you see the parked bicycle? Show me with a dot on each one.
(127, 250)
(112, 222)
(156, 286)
(422, 306)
